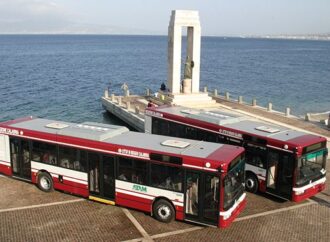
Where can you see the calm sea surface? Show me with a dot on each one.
(63, 77)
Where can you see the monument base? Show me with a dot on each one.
(191, 100)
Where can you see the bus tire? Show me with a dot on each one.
(163, 211)
(251, 183)
(45, 182)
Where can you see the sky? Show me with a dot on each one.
(151, 17)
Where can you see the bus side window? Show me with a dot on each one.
(44, 152)
(155, 125)
(166, 177)
(255, 157)
(82, 159)
(176, 130)
(132, 170)
(163, 127)
(67, 157)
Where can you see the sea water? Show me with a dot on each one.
(63, 76)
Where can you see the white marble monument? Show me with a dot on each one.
(184, 88)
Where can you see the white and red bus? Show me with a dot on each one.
(286, 163)
(191, 180)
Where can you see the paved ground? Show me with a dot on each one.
(28, 214)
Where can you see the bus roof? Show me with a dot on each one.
(121, 136)
(234, 122)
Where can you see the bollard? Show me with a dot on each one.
(329, 121)
(307, 117)
(119, 100)
(287, 111)
(254, 102)
(106, 93)
(137, 109)
(215, 92)
(147, 92)
(240, 99)
(112, 97)
(128, 105)
(205, 89)
(227, 95)
(270, 107)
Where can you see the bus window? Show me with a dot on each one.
(14, 146)
(166, 177)
(176, 130)
(160, 127)
(67, 157)
(132, 170)
(82, 164)
(192, 201)
(44, 152)
(211, 197)
(273, 159)
(255, 156)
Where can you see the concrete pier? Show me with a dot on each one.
(128, 109)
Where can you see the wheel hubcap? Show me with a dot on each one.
(164, 212)
(45, 183)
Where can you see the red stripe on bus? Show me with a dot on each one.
(71, 183)
(133, 202)
(5, 170)
(71, 189)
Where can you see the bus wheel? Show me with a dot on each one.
(163, 211)
(251, 183)
(45, 182)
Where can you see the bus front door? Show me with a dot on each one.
(101, 176)
(20, 158)
(201, 198)
(280, 166)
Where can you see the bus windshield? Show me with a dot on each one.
(311, 166)
(234, 182)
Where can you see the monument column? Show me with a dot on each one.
(179, 19)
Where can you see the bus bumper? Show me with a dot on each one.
(227, 217)
(302, 193)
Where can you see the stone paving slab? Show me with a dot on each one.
(86, 220)
(153, 227)
(311, 223)
(80, 221)
(16, 193)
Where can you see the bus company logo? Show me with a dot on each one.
(139, 188)
(134, 153)
(10, 131)
(153, 113)
(230, 133)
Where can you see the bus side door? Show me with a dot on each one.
(280, 168)
(20, 158)
(201, 197)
